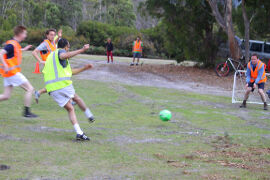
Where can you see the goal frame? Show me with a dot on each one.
(234, 101)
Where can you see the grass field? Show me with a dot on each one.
(207, 138)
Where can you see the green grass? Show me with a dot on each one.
(128, 139)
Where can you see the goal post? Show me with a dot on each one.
(239, 89)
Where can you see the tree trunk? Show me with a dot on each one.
(227, 25)
(234, 47)
(247, 27)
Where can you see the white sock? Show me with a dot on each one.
(78, 129)
(88, 113)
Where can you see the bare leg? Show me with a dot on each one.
(7, 93)
(71, 113)
(28, 95)
(84, 108)
(133, 59)
(262, 95)
(138, 60)
(244, 104)
(80, 102)
(247, 93)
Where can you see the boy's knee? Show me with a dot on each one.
(77, 98)
(69, 107)
(260, 91)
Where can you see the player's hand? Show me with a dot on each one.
(254, 85)
(42, 62)
(86, 46)
(88, 66)
(27, 47)
(246, 86)
(60, 33)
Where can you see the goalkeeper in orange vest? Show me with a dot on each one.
(137, 51)
(44, 49)
(255, 77)
(10, 69)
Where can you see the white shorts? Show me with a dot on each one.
(62, 96)
(16, 80)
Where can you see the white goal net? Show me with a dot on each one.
(239, 89)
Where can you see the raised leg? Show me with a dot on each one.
(7, 93)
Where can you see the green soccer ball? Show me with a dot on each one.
(165, 115)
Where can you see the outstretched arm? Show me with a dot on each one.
(71, 54)
(79, 70)
(59, 35)
(26, 48)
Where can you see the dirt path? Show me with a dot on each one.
(191, 79)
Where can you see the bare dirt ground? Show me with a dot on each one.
(191, 79)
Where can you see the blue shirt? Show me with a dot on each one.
(10, 51)
(260, 73)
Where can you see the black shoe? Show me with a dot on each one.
(91, 119)
(82, 137)
(30, 115)
(265, 106)
(132, 64)
(137, 64)
(244, 104)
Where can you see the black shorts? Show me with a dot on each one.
(137, 55)
(260, 86)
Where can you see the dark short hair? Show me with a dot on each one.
(19, 29)
(254, 54)
(62, 43)
(49, 30)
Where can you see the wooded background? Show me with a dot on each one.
(179, 29)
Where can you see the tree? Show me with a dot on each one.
(247, 22)
(251, 15)
(188, 29)
(225, 22)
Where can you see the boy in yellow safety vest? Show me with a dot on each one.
(57, 76)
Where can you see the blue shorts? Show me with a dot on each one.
(137, 55)
(260, 86)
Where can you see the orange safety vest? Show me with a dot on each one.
(14, 62)
(137, 46)
(254, 74)
(50, 48)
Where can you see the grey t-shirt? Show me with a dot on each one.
(63, 62)
(42, 48)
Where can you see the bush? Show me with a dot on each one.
(4, 36)
(97, 50)
(35, 36)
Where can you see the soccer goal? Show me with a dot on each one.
(239, 89)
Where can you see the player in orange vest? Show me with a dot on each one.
(255, 77)
(44, 49)
(137, 51)
(10, 69)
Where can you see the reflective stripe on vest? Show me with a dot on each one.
(11, 68)
(254, 73)
(57, 79)
(137, 46)
(50, 48)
